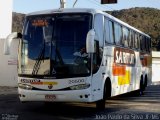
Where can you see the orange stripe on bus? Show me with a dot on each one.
(118, 70)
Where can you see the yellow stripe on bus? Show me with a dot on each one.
(122, 80)
(50, 83)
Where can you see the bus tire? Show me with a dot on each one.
(100, 105)
(139, 92)
(141, 88)
(145, 82)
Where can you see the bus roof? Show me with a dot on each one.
(65, 10)
(85, 10)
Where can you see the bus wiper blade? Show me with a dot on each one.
(38, 62)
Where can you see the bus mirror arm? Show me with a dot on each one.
(90, 41)
(8, 42)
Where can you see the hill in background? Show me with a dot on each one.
(144, 19)
(18, 20)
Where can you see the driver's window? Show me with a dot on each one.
(99, 41)
(99, 28)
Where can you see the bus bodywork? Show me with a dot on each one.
(51, 69)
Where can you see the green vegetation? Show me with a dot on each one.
(18, 20)
(144, 19)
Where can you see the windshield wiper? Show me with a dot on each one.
(38, 61)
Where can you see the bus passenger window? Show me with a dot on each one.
(106, 31)
(146, 42)
(136, 41)
(118, 33)
(140, 40)
(150, 45)
(141, 43)
(133, 39)
(130, 40)
(125, 37)
(99, 28)
(111, 32)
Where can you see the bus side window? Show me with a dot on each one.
(141, 43)
(111, 32)
(125, 37)
(99, 28)
(130, 43)
(106, 31)
(133, 39)
(146, 42)
(137, 41)
(118, 33)
(150, 45)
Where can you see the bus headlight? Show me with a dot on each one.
(80, 86)
(25, 86)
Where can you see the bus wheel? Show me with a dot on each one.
(100, 105)
(145, 82)
(139, 92)
(141, 88)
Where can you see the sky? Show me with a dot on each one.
(27, 6)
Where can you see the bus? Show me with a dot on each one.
(80, 55)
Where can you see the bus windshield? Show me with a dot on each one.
(54, 45)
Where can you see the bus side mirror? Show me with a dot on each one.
(90, 41)
(8, 41)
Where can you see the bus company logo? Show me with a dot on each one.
(50, 86)
(30, 81)
(124, 56)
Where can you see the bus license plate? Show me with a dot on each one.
(50, 97)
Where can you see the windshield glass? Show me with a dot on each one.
(55, 45)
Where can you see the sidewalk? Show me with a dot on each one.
(5, 90)
(156, 83)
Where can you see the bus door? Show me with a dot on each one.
(97, 78)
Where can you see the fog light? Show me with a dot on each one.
(25, 86)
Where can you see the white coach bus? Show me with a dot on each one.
(80, 55)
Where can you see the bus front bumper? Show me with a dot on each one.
(55, 96)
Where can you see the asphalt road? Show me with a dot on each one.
(128, 107)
